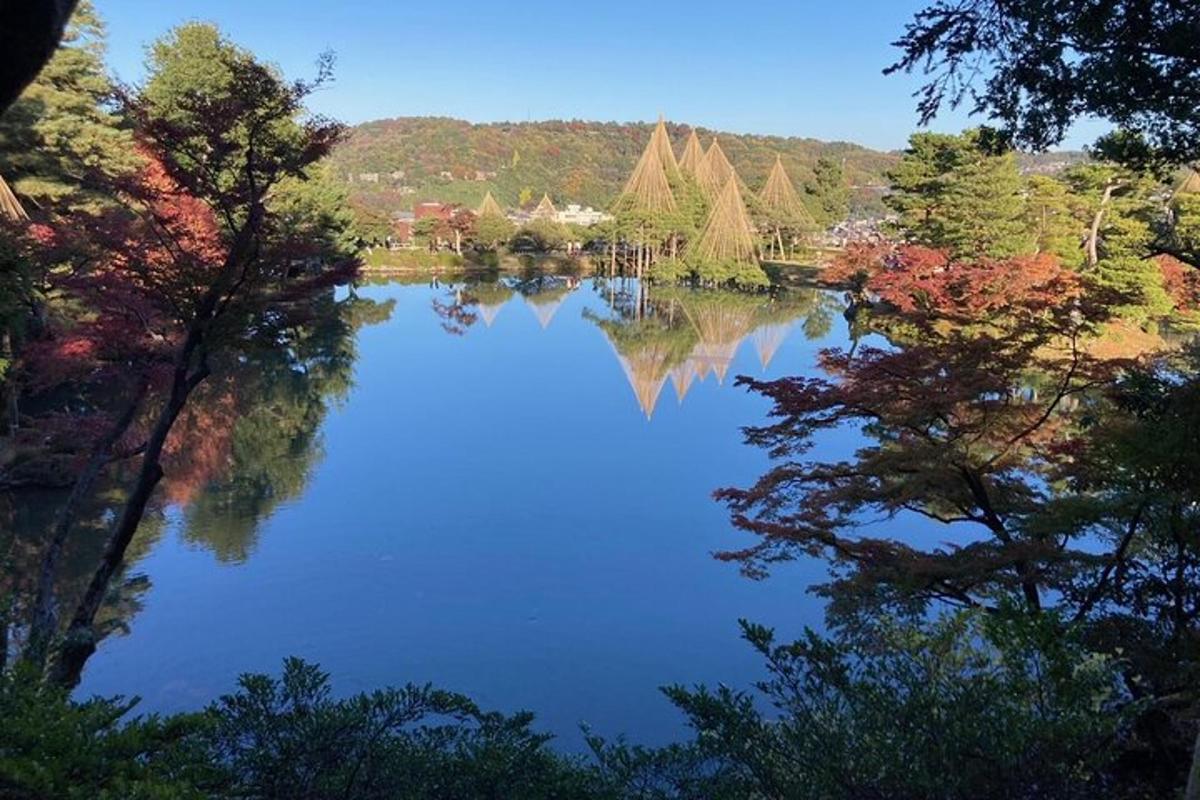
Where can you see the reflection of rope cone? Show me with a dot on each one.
(646, 370)
(489, 312)
(768, 339)
(721, 329)
(545, 309)
(682, 377)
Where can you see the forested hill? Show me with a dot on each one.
(392, 163)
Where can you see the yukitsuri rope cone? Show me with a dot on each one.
(545, 209)
(718, 164)
(1190, 184)
(779, 196)
(489, 207)
(661, 142)
(727, 236)
(693, 155)
(648, 188)
(10, 206)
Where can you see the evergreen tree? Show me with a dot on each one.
(63, 127)
(1050, 221)
(828, 198)
(954, 193)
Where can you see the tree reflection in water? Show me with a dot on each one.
(248, 444)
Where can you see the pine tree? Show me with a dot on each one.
(1049, 220)
(828, 197)
(61, 129)
(952, 193)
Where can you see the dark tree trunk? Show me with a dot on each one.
(45, 612)
(30, 30)
(190, 369)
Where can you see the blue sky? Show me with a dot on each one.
(802, 68)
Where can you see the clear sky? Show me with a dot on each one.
(800, 68)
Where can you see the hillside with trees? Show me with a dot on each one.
(389, 164)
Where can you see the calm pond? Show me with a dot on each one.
(502, 487)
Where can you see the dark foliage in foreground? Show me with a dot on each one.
(971, 706)
(1037, 65)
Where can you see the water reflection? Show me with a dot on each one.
(247, 443)
(394, 515)
(657, 334)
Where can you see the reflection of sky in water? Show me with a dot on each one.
(494, 512)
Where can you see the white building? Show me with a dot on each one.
(574, 214)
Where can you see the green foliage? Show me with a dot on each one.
(1136, 287)
(828, 194)
(671, 270)
(1123, 200)
(1037, 67)
(954, 193)
(1050, 221)
(62, 132)
(288, 738)
(312, 210)
(726, 273)
(969, 706)
(541, 235)
(53, 747)
(492, 231)
(230, 125)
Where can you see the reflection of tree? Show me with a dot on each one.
(247, 444)
(26, 522)
(284, 392)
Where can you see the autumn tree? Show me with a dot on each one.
(1055, 479)
(219, 132)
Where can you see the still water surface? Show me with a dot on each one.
(513, 500)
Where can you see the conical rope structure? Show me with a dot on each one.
(780, 197)
(648, 188)
(661, 142)
(545, 209)
(10, 206)
(720, 167)
(489, 207)
(693, 156)
(1189, 185)
(727, 236)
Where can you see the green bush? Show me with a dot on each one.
(969, 706)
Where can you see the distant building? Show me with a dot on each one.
(402, 228)
(574, 214)
(369, 177)
(432, 209)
